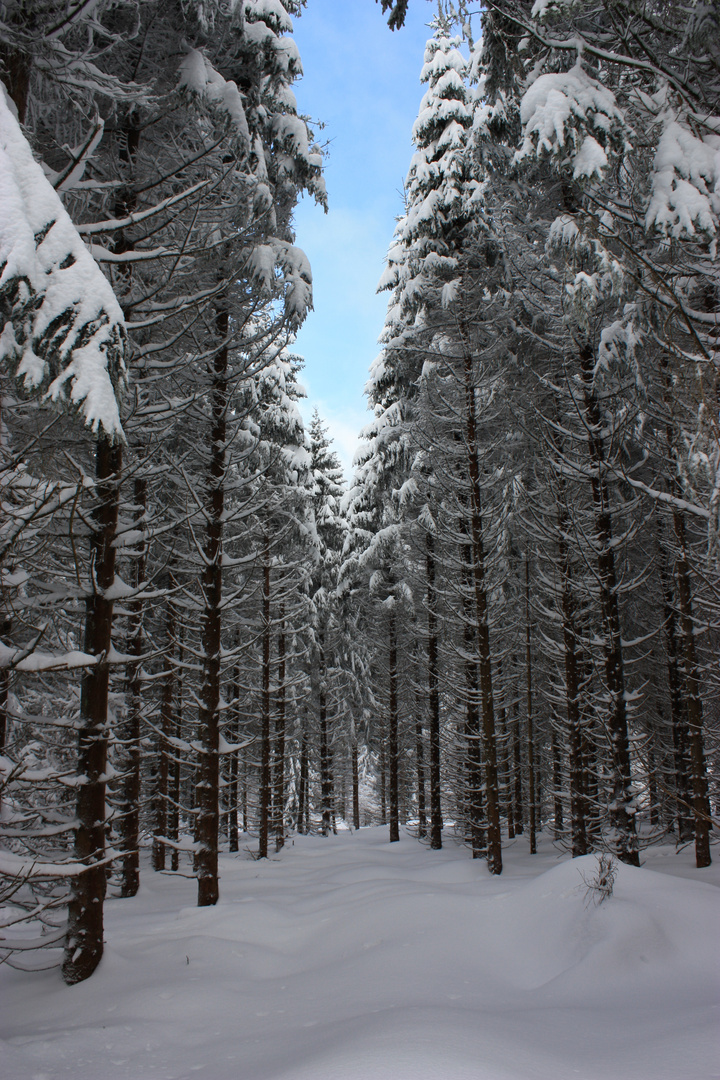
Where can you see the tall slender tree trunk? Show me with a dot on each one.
(280, 738)
(355, 776)
(622, 815)
(473, 736)
(420, 769)
(530, 731)
(678, 703)
(698, 773)
(173, 828)
(436, 822)
(160, 796)
(208, 773)
(578, 828)
(303, 800)
(233, 832)
(558, 816)
(265, 772)
(326, 783)
(84, 941)
(131, 782)
(517, 786)
(383, 782)
(492, 804)
(393, 727)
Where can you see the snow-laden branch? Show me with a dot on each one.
(62, 325)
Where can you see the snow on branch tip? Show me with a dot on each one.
(62, 327)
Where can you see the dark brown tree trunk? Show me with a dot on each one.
(131, 783)
(208, 775)
(517, 786)
(420, 768)
(84, 941)
(530, 731)
(265, 772)
(504, 770)
(326, 785)
(622, 815)
(355, 779)
(473, 736)
(436, 822)
(160, 795)
(176, 771)
(383, 783)
(492, 805)
(678, 706)
(233, 790)
(698, 773)
(393, 727)
(303, 795)
(558, 817)
(572, 689)
(280, 739)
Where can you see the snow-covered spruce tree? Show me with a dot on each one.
(64, 340)
(326, 676)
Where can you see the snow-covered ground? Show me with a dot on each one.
(348, 958)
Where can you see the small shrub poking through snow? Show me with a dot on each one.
(599, 886)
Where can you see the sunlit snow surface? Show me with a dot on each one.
(348, 958)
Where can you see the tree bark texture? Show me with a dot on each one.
(84, 941)
(393, 724)
(208, 776)
(622, 807)
(436, 822)
(265, 769)
(492, 803)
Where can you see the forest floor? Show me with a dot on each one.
(347, 958)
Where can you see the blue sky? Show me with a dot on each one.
(362, 81)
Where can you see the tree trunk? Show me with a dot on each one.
(623, 812)
(233, 834)
(326, 784)
(160, 796)
(420, 768)
(279, 800)
(558, 816)
(517, 786)
(84, 942)
(176, 772)
(208, 779)
(303, 799)
(265, 774)
(698, 773)
(383, 783)
(436, 822)
(530, 718)
(131, 782)
(393, 728)
(494, 837)
(678, 705)
(355, 779)
(578, 826)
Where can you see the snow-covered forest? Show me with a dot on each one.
(495, 646)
